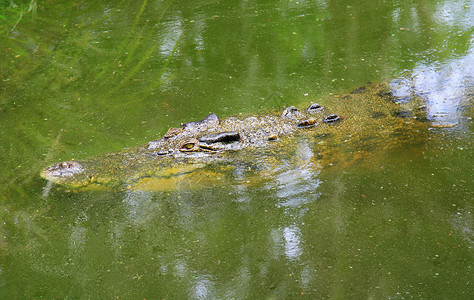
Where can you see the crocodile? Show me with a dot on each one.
(365, 119)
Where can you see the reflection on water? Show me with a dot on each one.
(298, 185)
(203, 288)
(138, 206)
(459, 13)
(446, 89)
(292, 242)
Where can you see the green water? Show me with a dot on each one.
(79, 79)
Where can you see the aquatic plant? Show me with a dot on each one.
(12, 13)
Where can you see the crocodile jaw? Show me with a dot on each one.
(70, 173)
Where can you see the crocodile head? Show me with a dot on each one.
(193, 143)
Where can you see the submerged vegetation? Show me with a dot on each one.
(13, 12)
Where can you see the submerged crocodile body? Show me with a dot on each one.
(363, 119)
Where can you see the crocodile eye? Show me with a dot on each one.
(64, 165)
(189, 145)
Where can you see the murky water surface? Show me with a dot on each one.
(387, 221)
